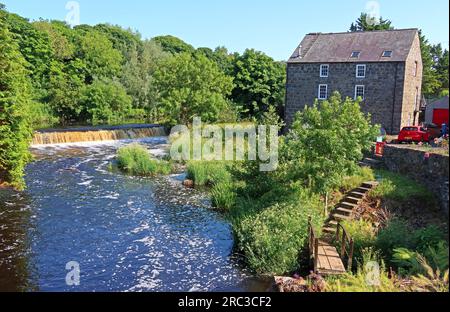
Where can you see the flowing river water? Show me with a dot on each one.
(126, 233)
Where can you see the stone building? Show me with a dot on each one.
(384, 68)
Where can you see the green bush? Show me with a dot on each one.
(409, 262)
(272, 238)
(396, 234)
(208, 173)
(363, 234)
(136, 160)
(428, 237)
(359, 282)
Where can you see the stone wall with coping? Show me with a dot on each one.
(431, 170)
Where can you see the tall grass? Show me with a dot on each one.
(272, 238)
(400, 188)
(363, 174)
(208, 173)
(136, 160)
(365, 279)
(214, 174)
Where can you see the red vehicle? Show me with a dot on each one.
(416, 134)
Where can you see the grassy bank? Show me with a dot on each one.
(413, 244)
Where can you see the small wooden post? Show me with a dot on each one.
(350, 256)
(310, 237)
(343, 242)
(326, 204)
(338, 229)
(316, 254)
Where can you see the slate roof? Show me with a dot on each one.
(338, 47)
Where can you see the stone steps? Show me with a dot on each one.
(345, 208)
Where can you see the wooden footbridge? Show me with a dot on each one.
(330, 252)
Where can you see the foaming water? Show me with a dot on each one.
(127, 233)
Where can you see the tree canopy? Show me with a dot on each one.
(190, 86)
(367, 23)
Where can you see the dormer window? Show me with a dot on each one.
(387, 53)
(355, 54)
(324, 70)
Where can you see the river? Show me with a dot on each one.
(126, 233)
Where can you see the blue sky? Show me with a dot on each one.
(272, 26)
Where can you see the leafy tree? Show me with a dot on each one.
(65, 86)
(259, 83)
(105, 102)
(367, 23)
(102, 60)
(15, 99)
(430, 83)
(440, 66)
(190, 86)
(123, 40)
(326, 142)
(137, 76)
(221, 57)
(36, 49)
(63, 49)
(173, 44)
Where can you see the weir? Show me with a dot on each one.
(92, 134)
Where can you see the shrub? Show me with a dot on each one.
(396, 234)
(272, 238)
(136, 160)
(208, 173)
(327, 140)
(409, 262)
(363, 234)
(428, 237)
(360, 282)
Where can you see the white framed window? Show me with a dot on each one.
(360, 91)
(416, 66)
(323, 92)
(324, 70)
(360, 71)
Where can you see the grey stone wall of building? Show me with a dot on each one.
(413, 85)
(432, 172)
(384, 84)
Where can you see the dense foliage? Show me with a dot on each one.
(326, 142)
(15, 101)
(190, 86)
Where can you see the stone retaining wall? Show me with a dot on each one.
(431, 170)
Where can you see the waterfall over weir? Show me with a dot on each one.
(92, 134)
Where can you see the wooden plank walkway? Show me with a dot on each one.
(325, 256)
(329, 261)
